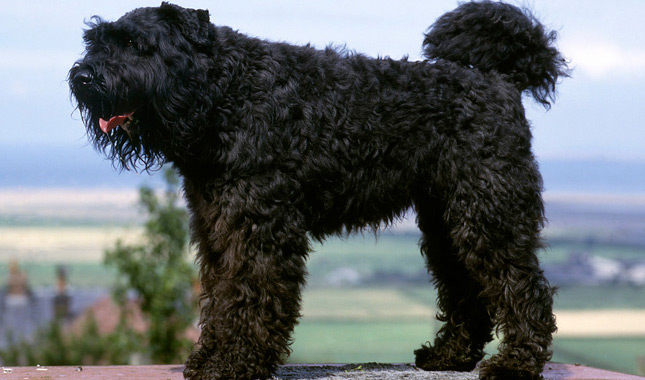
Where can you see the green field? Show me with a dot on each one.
(359, 342)
(78, 274)
(394, 342)
(625, 355)
(398, 320)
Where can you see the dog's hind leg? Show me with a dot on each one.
(467, 326)
(252, 272)
(495, 217)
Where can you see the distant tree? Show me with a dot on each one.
(159, 273)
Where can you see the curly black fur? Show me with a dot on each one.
(502, 38)
(278, 144)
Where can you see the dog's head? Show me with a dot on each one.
(138, 83)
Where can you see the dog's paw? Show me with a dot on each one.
(431, 359)
(191, 374)
(497, 370)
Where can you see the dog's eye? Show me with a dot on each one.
(129, 43)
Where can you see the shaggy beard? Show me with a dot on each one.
(123, 146)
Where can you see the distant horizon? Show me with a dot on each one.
(80, 166)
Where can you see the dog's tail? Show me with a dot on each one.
(492, 36)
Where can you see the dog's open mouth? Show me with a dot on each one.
(115, 121)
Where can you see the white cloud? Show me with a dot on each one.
(603, 59)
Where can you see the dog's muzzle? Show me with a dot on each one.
(82, 78)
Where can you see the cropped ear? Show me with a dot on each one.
(194, 24)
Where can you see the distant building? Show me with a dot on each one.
(24, 310)
(583, 268)
(62, 299)
(17, 307)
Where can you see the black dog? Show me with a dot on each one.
(279, 144)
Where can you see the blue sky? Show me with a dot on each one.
(599, 113)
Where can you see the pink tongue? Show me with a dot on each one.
(107, 126)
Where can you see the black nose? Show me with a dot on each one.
(83, 78)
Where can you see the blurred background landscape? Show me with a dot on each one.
(369, 298)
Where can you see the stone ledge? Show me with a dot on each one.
(368, 371)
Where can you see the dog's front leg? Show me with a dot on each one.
(251, 280)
